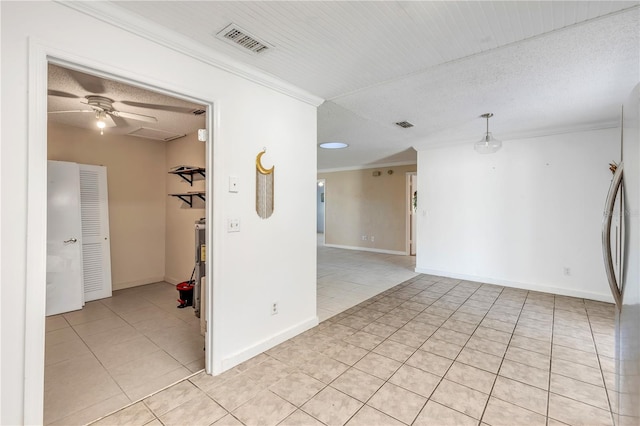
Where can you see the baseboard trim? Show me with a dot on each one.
(266, 344)
(174, 281)
(137, 283)
(600, 297)
(370, 249)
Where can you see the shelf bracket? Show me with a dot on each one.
(188, 174)
(188, 198)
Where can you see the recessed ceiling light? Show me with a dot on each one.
(333, 145)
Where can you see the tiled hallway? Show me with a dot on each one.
(348, 277)
(430, 351)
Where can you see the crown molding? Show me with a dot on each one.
(435, 143)
(368, 166)
(112, 14)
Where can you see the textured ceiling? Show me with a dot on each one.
(68, 90)
(540, 67)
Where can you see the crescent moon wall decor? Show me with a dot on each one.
(264, 188)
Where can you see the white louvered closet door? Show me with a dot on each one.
(95, 232)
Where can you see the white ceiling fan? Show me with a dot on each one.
(104, 111)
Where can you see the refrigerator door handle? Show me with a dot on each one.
(606, 235)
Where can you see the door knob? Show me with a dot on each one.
(71, 240)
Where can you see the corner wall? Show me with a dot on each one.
(521, 216)
(359, 204)
(137, 197)
(179, 250)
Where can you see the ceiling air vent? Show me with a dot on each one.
(404, 124)
(157, 134)
(238, 37)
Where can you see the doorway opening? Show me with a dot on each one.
(138, 336)
(411, 215)
(321, 206)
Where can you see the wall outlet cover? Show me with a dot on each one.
(233, 225)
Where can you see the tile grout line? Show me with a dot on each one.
(579, 380)
(108, 371)
(463, 346)
(145, 397)
(503, 358)
(454, 360)
(96, 358)
(100, 361)
(406, 283)
(553, 325)
(604, 382)
(402, 363)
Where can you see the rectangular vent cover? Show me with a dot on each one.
(159, 135)
(404, 124)
(239, 37)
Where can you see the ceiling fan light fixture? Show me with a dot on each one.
(100, 115)
(488, 144)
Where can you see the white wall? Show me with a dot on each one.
(269, 260)
(520, 216)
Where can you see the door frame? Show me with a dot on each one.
(324, 209)
(409, 213)
(40, 55)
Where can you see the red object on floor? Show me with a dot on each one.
(184, 286)
(186, 294)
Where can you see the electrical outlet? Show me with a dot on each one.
(274, 308)
(567, 271)
(233, 225)
(372, 239)
(364, 238)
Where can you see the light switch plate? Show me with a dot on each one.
(233, 184)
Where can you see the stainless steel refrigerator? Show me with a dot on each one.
(622, 207)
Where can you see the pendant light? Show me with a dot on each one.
(488, 144)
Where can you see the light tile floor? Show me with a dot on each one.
(429, 351)
(348, 277)
(117, 350)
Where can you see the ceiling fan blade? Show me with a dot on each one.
(134, 116)
(109, 122)
(118, 121)
(73, 110)
(90, 83)
(170, 108)
(61, 94)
